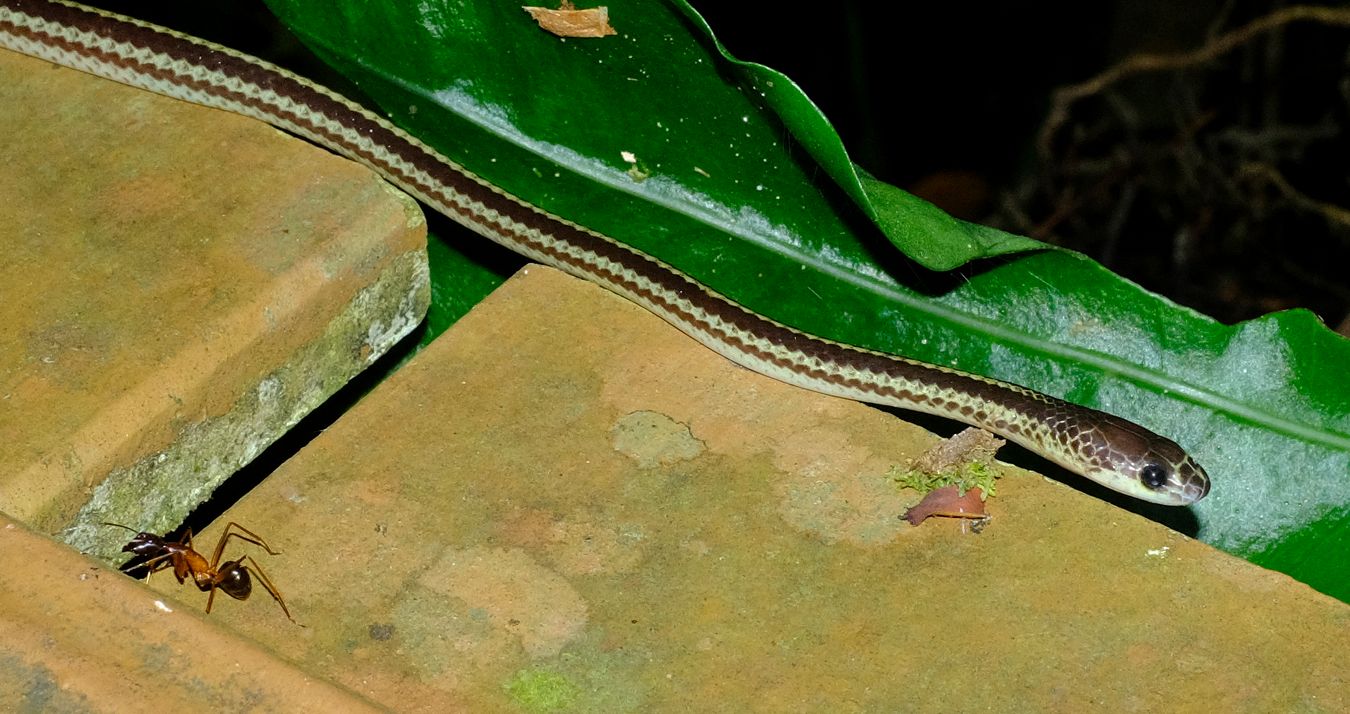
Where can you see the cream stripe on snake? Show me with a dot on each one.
(1117, 453)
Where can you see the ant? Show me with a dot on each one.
(232, 577)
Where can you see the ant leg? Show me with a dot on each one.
(252, 537)
(267, 583)
(156, 564)
(210, 599)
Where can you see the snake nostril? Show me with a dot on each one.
(1153, 476)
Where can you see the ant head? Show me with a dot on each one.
(142, 543)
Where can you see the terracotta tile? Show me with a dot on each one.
(564, 502)
(78, 637)
(178, 286)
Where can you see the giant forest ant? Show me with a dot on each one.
(233, 577)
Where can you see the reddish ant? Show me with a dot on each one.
(232, 577)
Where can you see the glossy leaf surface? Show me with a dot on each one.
(726, 171)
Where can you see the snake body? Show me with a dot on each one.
(1112, 451)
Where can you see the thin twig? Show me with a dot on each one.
(1064, 97)
(1330, 212)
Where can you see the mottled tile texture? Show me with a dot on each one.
(564, 502)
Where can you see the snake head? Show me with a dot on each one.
(1142, 464)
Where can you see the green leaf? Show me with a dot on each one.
(922, 231)
(737, 180)
(460, 280)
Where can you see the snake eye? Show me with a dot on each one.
(1153, 476)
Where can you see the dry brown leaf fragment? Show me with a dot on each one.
(567, 21)
(948, 501)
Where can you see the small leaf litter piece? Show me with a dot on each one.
(567, 21)
(956, 476)
(949, 502)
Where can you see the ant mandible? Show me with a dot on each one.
(232, 577)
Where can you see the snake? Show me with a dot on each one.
(1104, 448)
